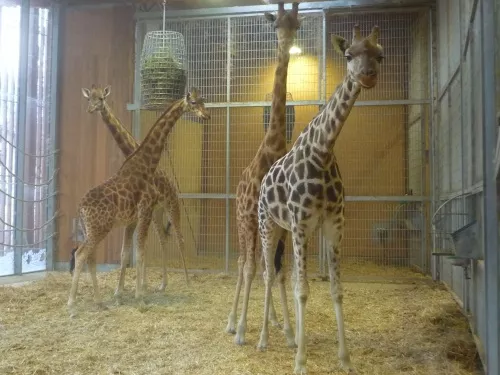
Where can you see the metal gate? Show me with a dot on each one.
(383, 150)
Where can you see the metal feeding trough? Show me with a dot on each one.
(465, 241)
(455, 232)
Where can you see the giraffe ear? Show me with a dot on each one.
(107, 91)
(86, 93)
(339, 44)
(270, 17)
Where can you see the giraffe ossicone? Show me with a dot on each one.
(303, 191)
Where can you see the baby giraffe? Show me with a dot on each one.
(303, 191)
(129, 197)
(168, 198)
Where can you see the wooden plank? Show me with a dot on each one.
(97, 48)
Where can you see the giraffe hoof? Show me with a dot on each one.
(276, 324)
(239, 339)
(290, 339)
(348, 368)
(262, 347)
(300, 370)
(231, 324)
(162, 288)
(72, 314)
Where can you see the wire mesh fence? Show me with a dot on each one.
(26, 149)
(458, 143)
(382, 151)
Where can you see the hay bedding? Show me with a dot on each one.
(391, 329)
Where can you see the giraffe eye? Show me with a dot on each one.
(380, 58)
(348, 57)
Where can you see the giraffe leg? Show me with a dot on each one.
(231, 320)
(278, 264)
(268, 233)
(145, 216)
(128, 237)
(273, 318)
(293, 281)
(301, 292)
(80, 259)
(248, 274)
(91, 261)
(162, 237)
(175, 219)
(333, 234)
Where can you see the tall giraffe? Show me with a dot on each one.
(303, 191)
(167, 199)
(128, 197)
(271, 149)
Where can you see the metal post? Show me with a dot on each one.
(135, 107)
(465, 279)
(20, 136)
(490, 219)
(432, 135)
(53, 134)
(423, 240)
(323, 268)
(228, 142)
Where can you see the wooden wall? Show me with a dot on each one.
(97, 48)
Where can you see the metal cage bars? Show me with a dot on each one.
(33, 176)
(146, 22)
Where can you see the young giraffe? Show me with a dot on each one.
(271, 149)
(303, 191)
(167, 199)
(128, 197)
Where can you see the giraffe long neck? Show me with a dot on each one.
(147, 156)
(122, 136)
(326, 126)
(275, 137)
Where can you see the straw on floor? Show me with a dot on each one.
(391, 329)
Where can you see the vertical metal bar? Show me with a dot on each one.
(20, 137)
(322, 248)
(423, 239)
(462, 132)
(465, 281)
(136, 106)
(55, 17)
(136, 116)
(228, 141)
(490, 219)
(432, 135)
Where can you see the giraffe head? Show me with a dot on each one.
(363, 56)
(195, 103)
(285, 23)
(96, 97)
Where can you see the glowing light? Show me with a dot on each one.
(295, 50)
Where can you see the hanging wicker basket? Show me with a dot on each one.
(163, 69)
